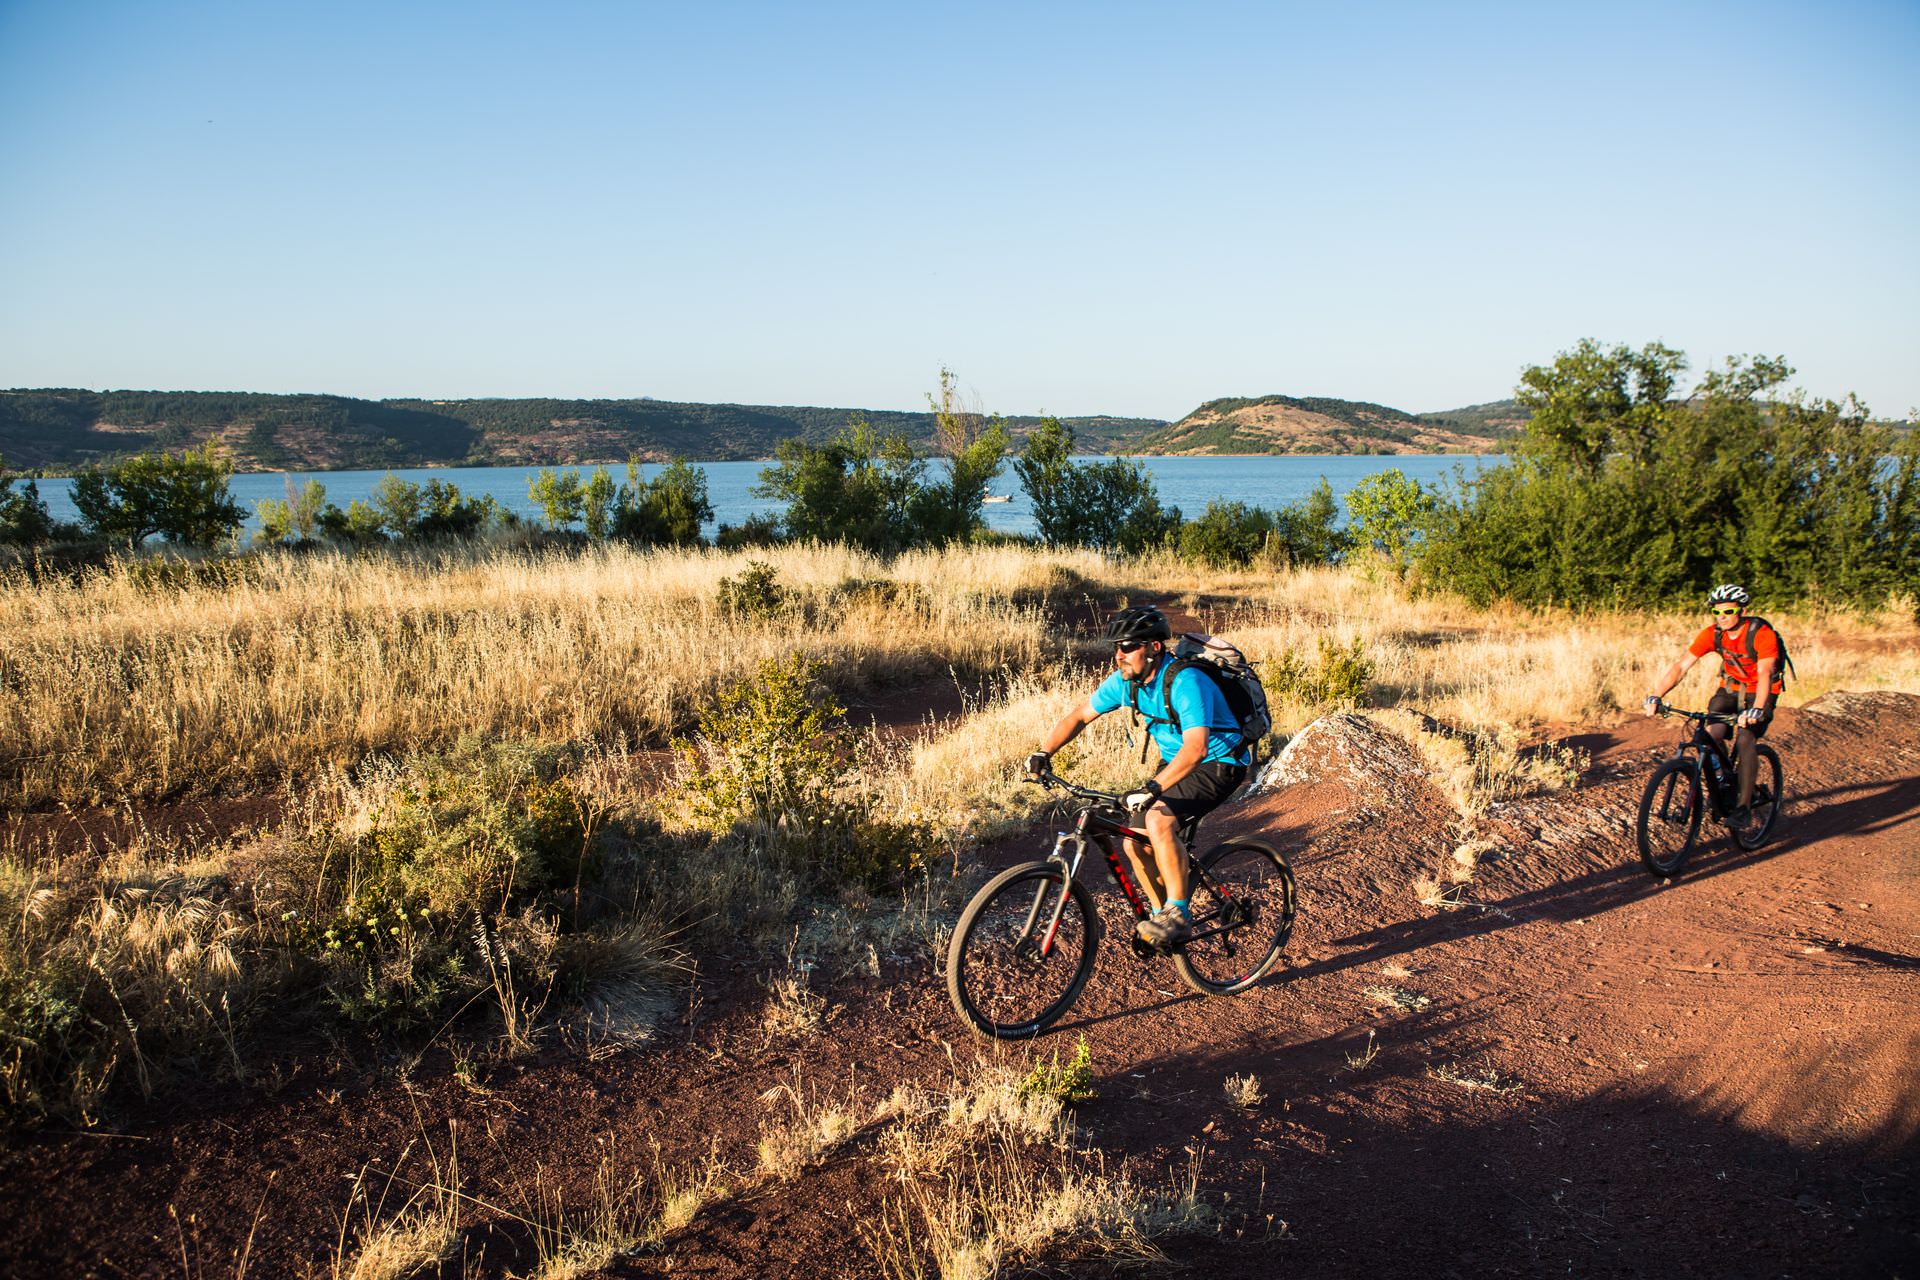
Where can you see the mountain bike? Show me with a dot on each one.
(1696, 780)
(1025, 945)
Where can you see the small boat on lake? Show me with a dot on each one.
(998, 497)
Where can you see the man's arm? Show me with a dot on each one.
(1067, 728)
(1193, 749)
(1671, 678)
(1762, 699)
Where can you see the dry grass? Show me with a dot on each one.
(375, 1244)
(127, 691)
(1244, 1091)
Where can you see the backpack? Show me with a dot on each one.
(1754, 623)
(1232, 674)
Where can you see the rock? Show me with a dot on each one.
(1345, 748)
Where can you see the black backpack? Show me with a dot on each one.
(1754, 623)
(1231, 673)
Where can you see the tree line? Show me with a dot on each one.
(1619, 492)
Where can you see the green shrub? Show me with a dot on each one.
(1338, 678)
(1228, 535)
(1621, 494)
(756, 593)
(1069, 1084)
(773, 761)
(181, 497)
(407, 915)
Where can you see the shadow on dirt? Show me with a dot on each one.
(1452, 1170)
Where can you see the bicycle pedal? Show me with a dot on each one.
(1145, 950)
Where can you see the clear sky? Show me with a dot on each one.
(1082, 208)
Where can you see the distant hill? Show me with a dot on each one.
(1287, 424)
(60, 429)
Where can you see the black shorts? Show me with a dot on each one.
(1203, 790)
(1726, 701)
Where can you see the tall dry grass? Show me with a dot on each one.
(119, 689)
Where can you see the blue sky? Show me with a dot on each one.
(1080, 208)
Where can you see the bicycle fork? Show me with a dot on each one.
(1068, 849)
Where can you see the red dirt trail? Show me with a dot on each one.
(1709, 1076)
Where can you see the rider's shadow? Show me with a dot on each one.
(1805, 819)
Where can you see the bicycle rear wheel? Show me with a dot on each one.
(1243, 905)
(1767, 787)
(1022, 951)
(1669, 820)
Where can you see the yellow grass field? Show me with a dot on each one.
(121, 690)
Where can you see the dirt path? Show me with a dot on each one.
(1714, 1076)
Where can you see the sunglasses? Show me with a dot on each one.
(1726, 608)
(1129, 646)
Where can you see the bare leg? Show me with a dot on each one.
(1164, 830)
(1146, 870)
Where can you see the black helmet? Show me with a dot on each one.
(1142, 623)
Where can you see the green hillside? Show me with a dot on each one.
(59, 429)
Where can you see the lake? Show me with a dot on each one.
(1186, 483)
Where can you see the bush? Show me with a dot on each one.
(1339, 677)
(774, 762)
(1065, 1085)
(1389, 510)
(668, 510)
(464, 861)
(182, 498)
(1621, 495)
(1228, 535)
(24, 520)
(859, 488)
(756, 593)
(1110, 506)
(754, 531)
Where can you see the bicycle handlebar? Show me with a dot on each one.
(1704, 717)
(1052, 779)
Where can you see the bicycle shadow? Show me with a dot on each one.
(1876, 807)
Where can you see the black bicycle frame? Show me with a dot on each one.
(1092, 826)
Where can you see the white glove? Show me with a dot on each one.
(1652, 705)
(1141, 796)
(1751, 716)
(1038, 763)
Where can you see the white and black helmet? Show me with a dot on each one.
(1730, 593)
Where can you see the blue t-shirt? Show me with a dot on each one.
(1196, 700)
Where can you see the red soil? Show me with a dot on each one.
(1713, 1076)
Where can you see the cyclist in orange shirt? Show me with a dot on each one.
(1751, 677)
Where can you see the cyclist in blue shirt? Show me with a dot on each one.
(1203, 758)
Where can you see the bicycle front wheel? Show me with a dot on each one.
(1022, 951)
(1243, 906)
(1669, 817)
(1767, 787)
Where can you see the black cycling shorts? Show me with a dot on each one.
(1203, 790)
(1726, 701)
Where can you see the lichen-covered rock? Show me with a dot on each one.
(1351, 750)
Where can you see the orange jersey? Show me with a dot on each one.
(1737, 670)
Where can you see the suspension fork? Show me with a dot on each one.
(1068, 849)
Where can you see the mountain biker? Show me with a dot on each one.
(1202, 762)
(1747, 685)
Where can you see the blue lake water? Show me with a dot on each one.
(1186, 483)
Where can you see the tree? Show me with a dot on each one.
(1620, 494)
(180, 497)
(1110, 506)
(359, 525)
(559, 496)
(668, 510)
(1388, 510)
(859, 487)
(596, 504)
(973, 447)
(398, 503)
(23, 516)
(298, 518)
